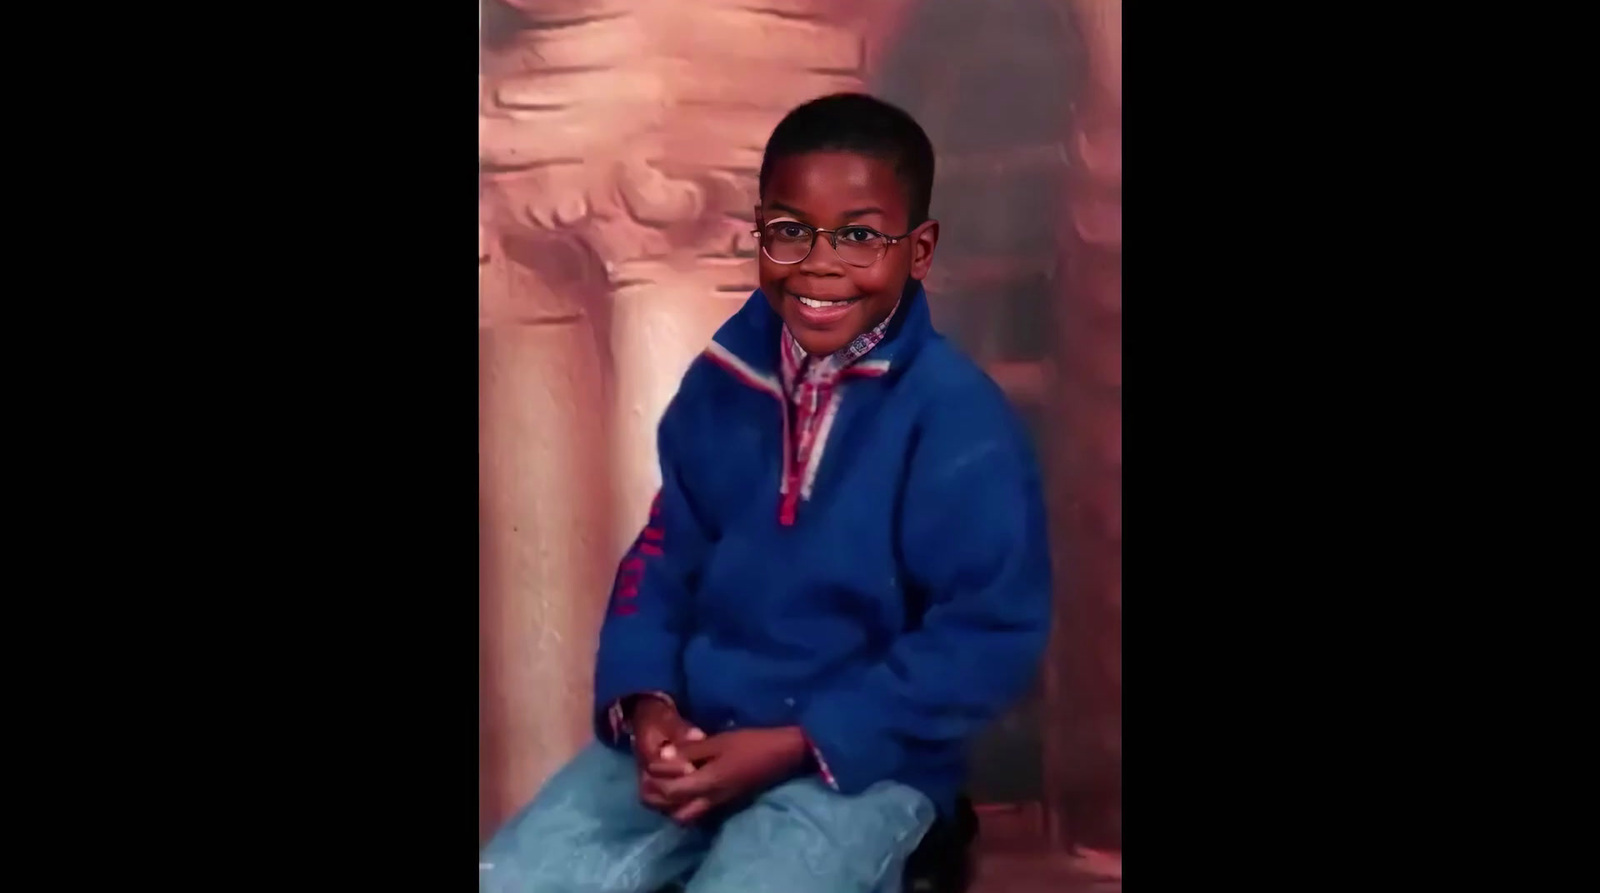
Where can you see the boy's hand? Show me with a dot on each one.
(658, 730)
(727, 767)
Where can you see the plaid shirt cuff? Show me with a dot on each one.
(822, 765)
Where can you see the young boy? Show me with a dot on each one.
(845, 574)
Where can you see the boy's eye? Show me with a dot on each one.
(790, 232)
(857, 234)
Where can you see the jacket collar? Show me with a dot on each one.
(748, 344)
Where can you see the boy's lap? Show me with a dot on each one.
(804, 836)
(587, 831)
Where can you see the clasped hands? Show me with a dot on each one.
(685, 773)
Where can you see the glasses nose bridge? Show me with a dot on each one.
(832, 238)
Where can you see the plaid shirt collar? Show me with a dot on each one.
(796, 366)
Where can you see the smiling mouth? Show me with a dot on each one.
(815, 304)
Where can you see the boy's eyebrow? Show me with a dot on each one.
(853, 212)
(780, 206)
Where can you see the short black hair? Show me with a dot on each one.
(856, 122)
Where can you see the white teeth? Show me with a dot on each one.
(820, 305)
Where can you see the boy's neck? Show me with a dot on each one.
(877, 330)
(800, 362)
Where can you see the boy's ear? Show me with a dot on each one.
(923, 240)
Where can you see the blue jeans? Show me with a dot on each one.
(587, 832)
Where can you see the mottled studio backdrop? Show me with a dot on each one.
(618, 148)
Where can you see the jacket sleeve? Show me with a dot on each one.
(649, 614)
(973, 540)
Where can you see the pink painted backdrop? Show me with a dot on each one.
(619, 142)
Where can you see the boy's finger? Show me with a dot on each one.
(669, 768)
(698, 751)
(687, 787)
(694, 809)
(650, 793)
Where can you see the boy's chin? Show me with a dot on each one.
(821, 342)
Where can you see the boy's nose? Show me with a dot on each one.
(822, 260)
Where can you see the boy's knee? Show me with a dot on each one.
(550, 849)
(885, 805)
(553, 875)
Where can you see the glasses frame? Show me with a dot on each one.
(833, 240)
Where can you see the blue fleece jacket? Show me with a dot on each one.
(904, 607)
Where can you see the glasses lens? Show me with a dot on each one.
(786, 242)
(860, 246)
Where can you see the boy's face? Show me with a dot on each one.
(829, 190)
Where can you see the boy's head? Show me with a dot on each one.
(861, 171)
